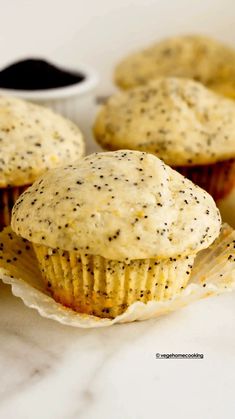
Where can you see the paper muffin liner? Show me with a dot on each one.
(213, 273)
(218, 179)
(106, 288)
(8, 196)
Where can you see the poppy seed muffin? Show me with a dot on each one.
(185, 124)
(115, 228)
(195, 57)
(33, 139)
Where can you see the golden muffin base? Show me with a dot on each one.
(106, 288)
(8, 197)
(217, 179)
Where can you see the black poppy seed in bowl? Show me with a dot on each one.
(37, 74)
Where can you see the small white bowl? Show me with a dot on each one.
(72, 101)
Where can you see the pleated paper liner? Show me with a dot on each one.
(213, 273)
(106, 288)
(217, 179)
(8, 196)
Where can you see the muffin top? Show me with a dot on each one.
(179, 120)
(119, 205)
(33, 139)
(196, 57)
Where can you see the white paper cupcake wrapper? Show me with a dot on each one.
(213, 273)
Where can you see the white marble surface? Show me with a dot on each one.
(51, 371)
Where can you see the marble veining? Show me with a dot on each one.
(52, 371)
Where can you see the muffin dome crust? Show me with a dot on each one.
(123, 204)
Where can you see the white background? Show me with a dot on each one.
(99, 32)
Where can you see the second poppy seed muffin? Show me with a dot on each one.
(187, 125)
(33, 139)
(115, 228)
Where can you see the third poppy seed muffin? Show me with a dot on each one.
(33, 139)
(187, 125)
(191, 56)
(115, 228)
